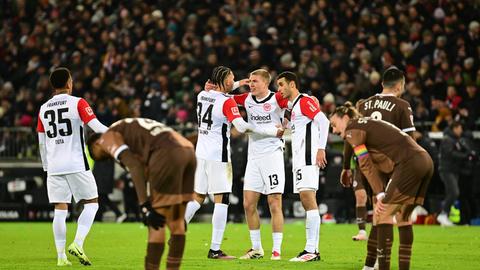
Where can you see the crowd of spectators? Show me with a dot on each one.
(150, 58)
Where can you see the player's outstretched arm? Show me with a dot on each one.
(89, 118)
(244, 127)
(97, 126)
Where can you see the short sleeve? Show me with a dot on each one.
(240, 99)
(40, 127)
(85, 111)
(406, 120)
(282, 102)
(309, 107)
(355, 137)
(230, 110)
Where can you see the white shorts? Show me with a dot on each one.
(306, 178)
(266, 175)
(81, 185)
(213, 177)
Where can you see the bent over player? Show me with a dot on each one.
(162, 160)
(381, 148)
(60, 134)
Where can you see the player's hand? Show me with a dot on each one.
(346, 178)
(210, 86)
(244, 82)
(280, 131)
(150, 217)
(379, 207)
(285, 123)
(321, 158)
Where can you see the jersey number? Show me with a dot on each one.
(273, 179)
(207, 117)
(376, 115)
(154, 127)
(51, 116)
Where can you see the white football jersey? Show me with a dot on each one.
(215, 111)
(305, 131)
(265, 114)
(62, 119)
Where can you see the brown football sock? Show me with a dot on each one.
(175, 252)
(385, 240)
(154, 254)
(405, 248)
(361, 217)
(371, 247)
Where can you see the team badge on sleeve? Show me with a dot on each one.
(89, 111)
(235, 110)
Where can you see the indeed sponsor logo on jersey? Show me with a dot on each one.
(261, 118)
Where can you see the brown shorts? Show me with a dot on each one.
(409, 181)
(171, 175)
(359, 180)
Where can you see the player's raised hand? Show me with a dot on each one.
(244, 82)
(346, 178)
(321, 158)
(209, 86)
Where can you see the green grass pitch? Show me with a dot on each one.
(122, 246)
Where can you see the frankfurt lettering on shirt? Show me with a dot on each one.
(57, 103)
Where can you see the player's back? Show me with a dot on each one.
(383, 138)
(60, 119)
(213, 127)
(389, 108)
(143, 136)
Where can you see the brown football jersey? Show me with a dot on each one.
(143, 136)
(387, 147)
(386, 107)
(157, 153)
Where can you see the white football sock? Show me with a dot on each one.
(192, 208)
(312, 228)
(277, 241)
(60, 232)
(256, 239)
(85, 221)
(219, 222)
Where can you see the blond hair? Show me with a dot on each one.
(262, 73)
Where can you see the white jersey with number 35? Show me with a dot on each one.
(62, 119)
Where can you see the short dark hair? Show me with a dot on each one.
(219, 74)
(59, 78)
(289, 77)
(91, 141)
(455, 124)
(392, 76)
